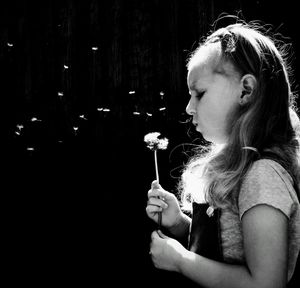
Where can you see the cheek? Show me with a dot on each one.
(208, 108)
(213, 116)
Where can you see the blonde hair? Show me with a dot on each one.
(269, 121)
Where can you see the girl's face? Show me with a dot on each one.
(215, 93)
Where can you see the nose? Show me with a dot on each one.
(190, 108)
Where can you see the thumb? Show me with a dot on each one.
(155, 185)
(161, 234)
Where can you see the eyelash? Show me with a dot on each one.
(200, 95)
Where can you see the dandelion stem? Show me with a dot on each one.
(156, 166)
(157, 178)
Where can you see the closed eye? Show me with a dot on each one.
(200, 95)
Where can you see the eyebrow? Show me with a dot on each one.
(193, 86)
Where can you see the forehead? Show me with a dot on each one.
(206, 56)
(206, 62)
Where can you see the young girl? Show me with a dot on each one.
(245, 224)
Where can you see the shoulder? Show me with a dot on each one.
(268, 173)
(268, 168)
(267, 182)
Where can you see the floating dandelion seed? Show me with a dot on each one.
(154, 143)
(75, 128)
(19, 127)
(30, 150)
(83, 117)
(34, 119)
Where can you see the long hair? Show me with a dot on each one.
(263, 124)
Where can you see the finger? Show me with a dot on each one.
(150, 249)
(150, 192)
(157, 192)
(161, 193)
(154, 235)
(157, 202)
(153, 193)
(152, 209)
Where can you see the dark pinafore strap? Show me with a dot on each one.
(205, 233)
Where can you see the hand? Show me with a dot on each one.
(166, 252)
(160, 200)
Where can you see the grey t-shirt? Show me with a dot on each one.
(268, 183)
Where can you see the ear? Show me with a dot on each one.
(248, 83)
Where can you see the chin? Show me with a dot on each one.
(214, 140)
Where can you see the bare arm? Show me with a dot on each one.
(181, 229)
(266, 251)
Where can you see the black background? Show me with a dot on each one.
(74, 199)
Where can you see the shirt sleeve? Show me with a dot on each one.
(265, 183)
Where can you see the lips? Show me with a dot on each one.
(197, 127)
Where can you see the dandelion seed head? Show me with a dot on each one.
(155, 143)
(163, 143)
